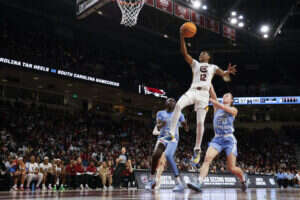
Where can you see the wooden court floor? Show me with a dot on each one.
(207, 194)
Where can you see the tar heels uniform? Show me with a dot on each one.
(164, 134)
(224, 138)
(165, 116)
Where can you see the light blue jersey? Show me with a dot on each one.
(170, 147)
(224, 138)
(223, 122)
(165, 116)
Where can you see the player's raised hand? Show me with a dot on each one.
(232, 69)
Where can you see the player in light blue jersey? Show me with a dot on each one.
(165, 144)
(224, 115)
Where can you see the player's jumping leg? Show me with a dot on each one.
(183, 102)
(231, 166)
(209, 157)
(158, 151)
(170, 152)
(201, 114)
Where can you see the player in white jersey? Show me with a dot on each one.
(33, 173)
(198, 94)
(46, 170)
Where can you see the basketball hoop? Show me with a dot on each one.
(130, 10)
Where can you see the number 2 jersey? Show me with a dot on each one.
(202, 74)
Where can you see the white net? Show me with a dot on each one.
(130, 11)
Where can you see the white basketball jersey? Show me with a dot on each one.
(46, 167)
(202, 74)
(32, 167)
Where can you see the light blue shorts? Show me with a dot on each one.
(226, 143)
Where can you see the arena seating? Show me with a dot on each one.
(37, 130)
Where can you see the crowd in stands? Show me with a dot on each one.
(56, 149)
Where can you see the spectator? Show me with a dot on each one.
(105, 173)
(4, 177)
(290, 178)
(18, 173)
(12, 169)
(298, 178)
(58, 174)
(127, 176)
(33, 173)
(91, 175)
(46, 169)
(80, 175)
(281, 179)
(71, 174)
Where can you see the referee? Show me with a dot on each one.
(121, 165)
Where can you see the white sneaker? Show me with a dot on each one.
(14, 188)
(157, 187)
(81, 187)
(49, 187)
(44, 187)
(104, 188)
(110, 188)
(87, 187)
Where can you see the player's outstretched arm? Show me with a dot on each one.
(213, 95)
(229, 109)
(212, 92)
(183, 48)
(226, 74)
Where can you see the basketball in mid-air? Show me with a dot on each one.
(189, 29)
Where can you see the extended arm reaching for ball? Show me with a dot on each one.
(227, 108)
(183, 48)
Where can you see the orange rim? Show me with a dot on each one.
(129, 3)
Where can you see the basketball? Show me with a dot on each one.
(189, 29)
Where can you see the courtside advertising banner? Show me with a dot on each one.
(165, 5)
(211, 181)
(182, 12)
